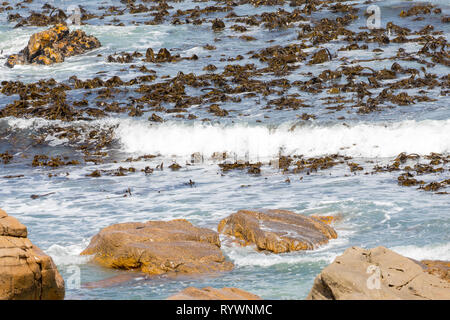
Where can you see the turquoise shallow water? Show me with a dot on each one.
(375, 209)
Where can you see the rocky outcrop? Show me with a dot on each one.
(26, 273)
(158, 247)
(53, 46)
(376, 274)
(209, 293)
(276, 230)
(437, 268)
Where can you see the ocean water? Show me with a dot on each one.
(375, 210)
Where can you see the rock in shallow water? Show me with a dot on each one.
(53, 46)
(377, 274)
(158, 247)
(26, 273)
(209, 293)
(277, 230)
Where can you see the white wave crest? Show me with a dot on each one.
(429, 252)
(68, 255)
(247, 256)
(261, 141)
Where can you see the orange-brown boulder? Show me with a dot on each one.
(377, 274)
(158, 247)
(26, 273)
(209, 293)
(277, 230)
(53, 46)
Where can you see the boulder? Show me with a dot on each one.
(278, 231)
(26, 273)
(53, 46)
(209, 293)
(158, 247)
(438, 268)
(376, 274)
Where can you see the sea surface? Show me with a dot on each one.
(376, 211)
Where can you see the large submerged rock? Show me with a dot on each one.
(157, 247)
(277, 230)
(53, 46)
(209, 293)
(377, 274)
(26, 273)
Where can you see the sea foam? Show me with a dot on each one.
(429, 252)
(261, 141)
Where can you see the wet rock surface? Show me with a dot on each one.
(209, 293)
(26, 273)
(329, 220)
(277, 231)
(377, 274)
(158, 247)
(53, 46)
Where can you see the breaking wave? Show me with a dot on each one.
(430, 252)
(68, 255)
(262, 141)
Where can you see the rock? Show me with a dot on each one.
(53, 46)
(15, 59)
(158, 247)
(438, 268)
(277, 230)
(26, 273)
(376, 274)
(209, 293)
(320, 56)
(328, 219)
(113, 281)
